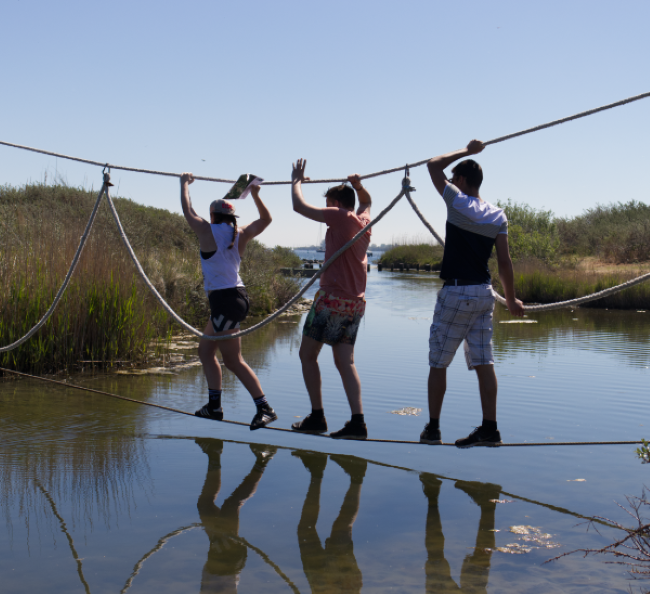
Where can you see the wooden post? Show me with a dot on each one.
(379, 267)
(401, 267)
(368, 267)
(417, 267)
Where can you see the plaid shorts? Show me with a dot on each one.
(333, 320)
(462, 313)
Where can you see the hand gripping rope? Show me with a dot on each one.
(406, 191)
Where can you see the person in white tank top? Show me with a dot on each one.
(222, 244)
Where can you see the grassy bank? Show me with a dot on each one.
(412, 254)
(107, 315)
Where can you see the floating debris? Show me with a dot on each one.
(514, 549)
(518, 322)
(532, 536)
(150, 371)
(500, 501)
(576, 480)
(407, 410)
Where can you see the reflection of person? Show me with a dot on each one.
(465, 304)
(333, 567)
(339, 304)
(475, 570)
(222, 245)
(227, 555)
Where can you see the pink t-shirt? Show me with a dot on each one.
(346, 277)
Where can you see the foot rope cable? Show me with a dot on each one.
(284, 430)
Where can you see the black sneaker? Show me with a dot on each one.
(430, 436)
(311, 424)
(263, 417)
(351, 431)
(480, 437)
(206, 413)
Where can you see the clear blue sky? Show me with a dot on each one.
(222, 88)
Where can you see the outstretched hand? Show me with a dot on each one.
(474, 147)
(255, 191)
(187, 178)
(298, 173)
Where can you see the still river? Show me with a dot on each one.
(100, 495)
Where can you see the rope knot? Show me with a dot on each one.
(406, 184)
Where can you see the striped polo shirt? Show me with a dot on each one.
(472, 229)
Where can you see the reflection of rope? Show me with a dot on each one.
(163, 541)
(67, 534)
(321, 181)
(183, 412)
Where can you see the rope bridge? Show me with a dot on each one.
(405, 191)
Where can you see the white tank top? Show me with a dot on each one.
(221, 270)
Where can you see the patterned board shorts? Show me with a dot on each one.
(462, 314)
(333, 320)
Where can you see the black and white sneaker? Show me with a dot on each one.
(263, 417)
(351, 431)
(480, 437)
(206, 413)
(311, 424)
(430, 436)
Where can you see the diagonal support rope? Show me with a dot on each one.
(545, 306)
(71, 270)
(274, 315)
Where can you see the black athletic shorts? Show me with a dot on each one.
(228, 307)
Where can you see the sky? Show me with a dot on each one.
(224, 88)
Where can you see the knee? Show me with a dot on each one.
(232, 361)
(342, 362)
(307, 357)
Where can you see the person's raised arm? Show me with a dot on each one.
(507, 275)
(299, 205)
(256, 227)
(199, 225)
(362, 194)
(437, 165)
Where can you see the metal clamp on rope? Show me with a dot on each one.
(107, 175)
(406, 182)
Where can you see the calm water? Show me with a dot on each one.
(101, 495)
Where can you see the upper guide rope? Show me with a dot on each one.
(335, 180)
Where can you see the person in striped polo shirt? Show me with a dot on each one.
(465, 304)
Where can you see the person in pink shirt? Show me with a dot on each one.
(339, 305)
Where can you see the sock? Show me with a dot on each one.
(214, 400)
(261, 401)
(357, 420)
(317, 413)
(489, 425)
(434, 423)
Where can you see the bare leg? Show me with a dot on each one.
(344, 361)
(309, 351)
(208, 357)
(233, 360)
(487, 385)
(437, 387)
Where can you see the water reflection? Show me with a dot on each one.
(476, 565)
(333, 567)
(227, 554)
